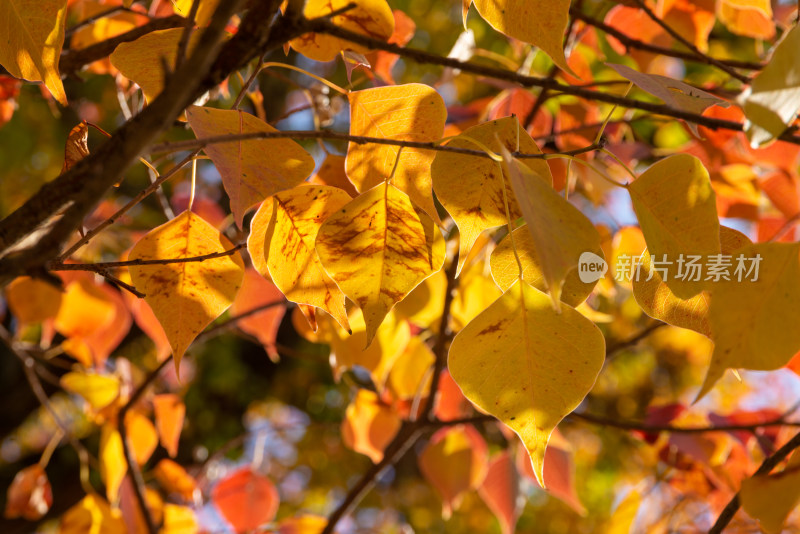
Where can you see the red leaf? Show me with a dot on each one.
(30, 495)
(246, 499)
(500, 491)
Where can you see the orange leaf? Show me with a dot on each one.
(500, 491)
(369, 425)
(30, 495)
(246, 499)
(32, 300)
(174, 479)
(141, 436)
(263, 325)
(169, 413)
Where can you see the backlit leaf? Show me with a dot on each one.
(169, 414)
(32, 300)
(424, 305)
(187, 296)
(204, 11)
(142, 436)
(250, 171)
(304, 524)
(505, 270)
(378, 248)
(512, 362)
(33, 34)
(264, 325)
(471, 188)
(245, 499)
(410, 112)
(174, 479)
(677, 210)
(369, 425)
(98, 390)
(547, 215)
(541, 23)
(413, 366)
(773, 99)
(657, 301)
(112, 461)
(294, 218)
(675, 93)
(500, 491)
(30, 495)
(753, 322)
(369, 17)
(771, 498)
(179, 520)
(454, 461)
(77, 146)
(94, 515)
(751, 18)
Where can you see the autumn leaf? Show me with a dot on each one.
(771, 498)
(677, 210)
(378, 248)
(31, 300)
(751, 18)
(77, 146)
(410, 375)
(112, 461)
(33, 33)
(539, 379)
(546, 213)
(92, 514)
(98, 390)
(142, 436)
(473, 194)
(505, 270)
(752, 321)
(424, 305)
(187, 296)
(169, 415)
(410, 112)
(144, 60)
(257, 292)
(30, 494)
(179, 520)
(659, 302)
(369, 425)
(372, 18)
(174, 479)
(454, 462)
(293, 219)
(246, 499)
(500, 491)
(204, 11)
(771, 102)
(248, 173)
(541, 23)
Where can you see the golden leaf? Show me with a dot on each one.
(187, 296)
(378, 248)
(369, 425)
(528, 366)
(251, 170)
(410, 112)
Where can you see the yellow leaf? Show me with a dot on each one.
(372, 18)
(250, 169)
(541, 23)
(293, 219)
(378, 358)
(424, 305)
(772, 101)
(514, 362)
(677, 210)
(179, 520)
(103, 28)
(204, 12)
(186, 297)
(84, 310)
(455, 461)
(657, 301)
(112, 461)
(754, 323)
(174, 479)
(369, 425)
(624, 515)
(33, 34)
(471, 188)
(751, 18)
(409, 371)
(76, 147)
(143, 60)
(475, 292)
(377, 249)
(98, 390)
(304, 524)
(170, 412)
(410, 112)
(505, 270)
(560, 232)
(771, 498)
(32, 300)
(93, 515)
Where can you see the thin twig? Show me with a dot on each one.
(633, 340)
(180, 57)
(681, 39)
(768, 465)
(100, 266)
(358, 139)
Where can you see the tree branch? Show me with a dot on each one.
(766, 467)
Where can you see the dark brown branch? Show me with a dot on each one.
(766, 467)
(696, 51)
(99, 267)
(630, 42)
(74, 60)
(358, 139)
(633, 340)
